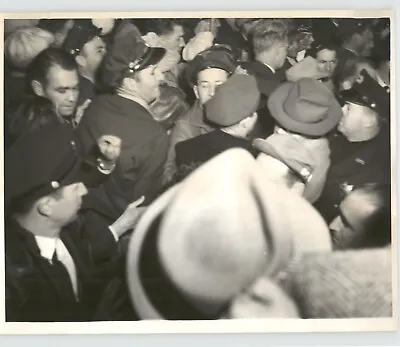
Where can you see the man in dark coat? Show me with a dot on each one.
(59, 266)
(205, 74)
(270, 50)
(356, 39)
(233, 109)
(360, 151)
(131, 70)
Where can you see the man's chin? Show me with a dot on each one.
(67, 113)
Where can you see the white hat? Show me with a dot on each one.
(24, 44)
(217, 231)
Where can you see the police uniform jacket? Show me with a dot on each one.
(352, 165)
(144, 150)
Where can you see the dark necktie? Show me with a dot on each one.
(62, 277)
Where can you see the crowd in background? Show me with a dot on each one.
(197, 168)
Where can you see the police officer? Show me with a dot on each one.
(131, 71)
(58, 263)
(360, 150)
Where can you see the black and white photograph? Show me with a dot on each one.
(200, 168)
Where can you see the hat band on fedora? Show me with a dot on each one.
(143, 294)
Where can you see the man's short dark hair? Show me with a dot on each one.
(317, 47)
(265, 41)
(161, 26)
(378, 224)
(348, 35)
(40, 66)
(23, 206)
(53, 25)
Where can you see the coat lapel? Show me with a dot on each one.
(23, 242)
(77, 257)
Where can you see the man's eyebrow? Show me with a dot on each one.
(344, 219)
(68, 87)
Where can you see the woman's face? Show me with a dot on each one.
(350, 226)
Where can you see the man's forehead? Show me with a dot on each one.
(212, 74)
(178, 29)
(58, 76)
(326, 53)
(96, 41)
(356, 206)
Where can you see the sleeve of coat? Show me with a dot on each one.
(180, 132)
(91, 229)
(152, 157)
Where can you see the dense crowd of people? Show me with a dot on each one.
(197, 168)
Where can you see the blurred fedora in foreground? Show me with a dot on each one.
(214, 234)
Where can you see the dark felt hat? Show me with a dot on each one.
(41, 162)
(217, 56)
(235, 100)
(82, 32)
(128, 54)
(306, 107)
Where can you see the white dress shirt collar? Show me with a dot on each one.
(272, 69)
(47, 246)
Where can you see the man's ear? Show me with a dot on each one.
(37, 88)
(81, 61)
(196, 92)
(249, 121)
(45, 206)
(152, 39)
(372, 120)
(129, 83)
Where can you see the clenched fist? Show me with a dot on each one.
(110, 149)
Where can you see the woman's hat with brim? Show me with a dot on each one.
(306, 107)
(217, 231)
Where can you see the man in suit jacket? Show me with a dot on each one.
(270, 50)
(233, 110)
(59, 266)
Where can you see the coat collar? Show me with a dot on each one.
(22, 250)
(260, 68)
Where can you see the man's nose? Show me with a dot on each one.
(328, 67)
(72, 95)
(335, 225)
(211, 90)
(159, 75)
(82, 189)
